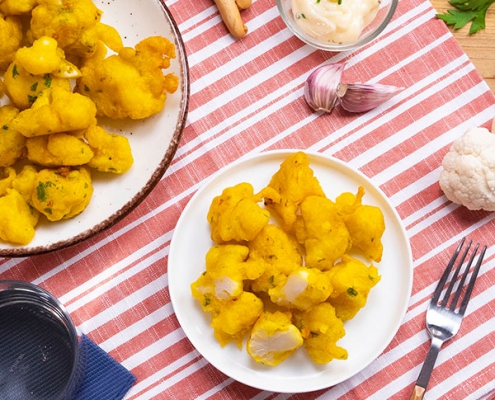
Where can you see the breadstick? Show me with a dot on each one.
(231, 17)
(243, 4)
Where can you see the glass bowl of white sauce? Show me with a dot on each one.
(337, 25)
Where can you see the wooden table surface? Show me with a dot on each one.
(479, 47)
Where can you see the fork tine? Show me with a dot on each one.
(455, 275)
(453, 304)
(445, 275)
(470, 287)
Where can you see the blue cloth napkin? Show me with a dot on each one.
(105, 378)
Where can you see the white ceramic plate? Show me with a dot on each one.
(153, 141)
(367, 335)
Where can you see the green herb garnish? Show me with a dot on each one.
(48, 81)
(466, 11)
(41, 190)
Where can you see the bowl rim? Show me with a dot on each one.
(336, 47)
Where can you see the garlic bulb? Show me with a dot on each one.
(323, 90)
(320, 89)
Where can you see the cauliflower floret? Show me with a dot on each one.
(302, 289)
(323, 232)
(75, 24)
(112, 153)
(58, 149)
(234, 318)
(321, 330)
(365, 223)
(278, 252)
(17, 221)
(11, 141)
(54, 111)
(45, 57)
(130, 83)
(10, 39)
(23, 88)
(294, 181)
(352, 281)
(63, 193)
(468, 175)
(235, 215)
(17, 7)
(273, 338)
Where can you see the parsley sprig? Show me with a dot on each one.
(466, 11)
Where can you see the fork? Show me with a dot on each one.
(442, 319)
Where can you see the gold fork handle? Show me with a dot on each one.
(417, 393)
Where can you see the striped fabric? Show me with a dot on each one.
(246, 97)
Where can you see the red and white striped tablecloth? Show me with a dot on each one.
(246, 97)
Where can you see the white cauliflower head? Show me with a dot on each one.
(468, 175)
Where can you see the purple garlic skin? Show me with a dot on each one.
(320, 89)
(362, 97)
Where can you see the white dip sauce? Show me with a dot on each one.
(328, 21)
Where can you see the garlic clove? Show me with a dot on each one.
(362, 97)
(320, 89)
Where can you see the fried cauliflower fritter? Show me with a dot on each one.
(23, 88)
(56, 110)
(322, 231)
(234, 318)
(302, 289)
(278, 252)
(220, 291)
(17, 7)
(7, 177)
(111, 152)
(10, 39)
(62, 194)
(130, 83)
(273, 338)
(321, 330)
(58, 149)
(352, 281)
(226, 271)
(74, 24)
(365, 223)
(235, 215)
(294, 181)
(17, 221)
(45, 57)
(11, 141)
(13, 185)
(25, 184)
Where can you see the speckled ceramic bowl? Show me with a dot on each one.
(153, 141)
